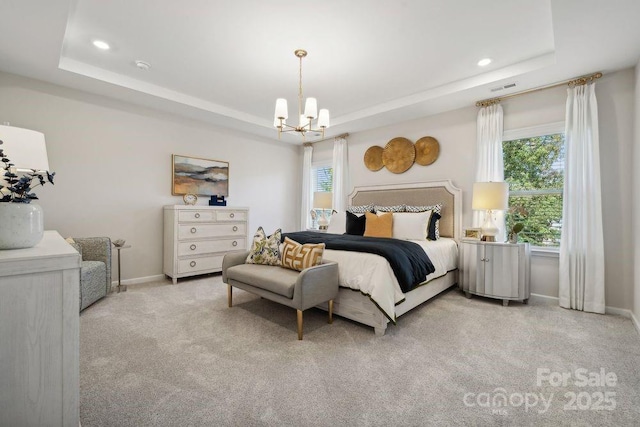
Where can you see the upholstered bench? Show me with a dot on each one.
(297, 289)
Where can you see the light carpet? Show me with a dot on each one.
(165, 355)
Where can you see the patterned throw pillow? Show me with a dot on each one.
(378, 226)
(265, 250)
(360, 209)
(435, 208)
(298, 257)
(396, 208)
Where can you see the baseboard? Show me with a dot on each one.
(540, 297)
(608, 310)
(138, 280)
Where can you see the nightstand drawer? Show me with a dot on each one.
(199, 264)
(228, 215)
(208, 246)
(196, 231)
(196, 216)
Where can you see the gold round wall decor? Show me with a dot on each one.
(398, 155)
(427, 150)
(373, 158)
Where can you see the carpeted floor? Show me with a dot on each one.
(164, 355)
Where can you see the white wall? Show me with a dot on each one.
(113, 167)
(456, 132)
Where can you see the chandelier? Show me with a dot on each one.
(305, 119)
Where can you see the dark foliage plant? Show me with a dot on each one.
(19, 189)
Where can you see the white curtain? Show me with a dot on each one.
(307, 191)
(489, 161)
(341, 184)
(581, 245)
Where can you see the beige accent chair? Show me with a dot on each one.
(297, 289)
(95, 268)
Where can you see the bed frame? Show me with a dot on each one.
(356, 306)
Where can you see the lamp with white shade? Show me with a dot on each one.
(322, 200)
(22, 222)
(489, 197)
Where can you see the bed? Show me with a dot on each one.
(357, 306)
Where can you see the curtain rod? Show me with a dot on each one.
(571, 83)
(342, 135)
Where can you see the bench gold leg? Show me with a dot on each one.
(230, 295)
(330, 311)
(299, 324)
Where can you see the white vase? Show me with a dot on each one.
(21, 225)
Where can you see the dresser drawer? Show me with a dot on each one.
(228, 215)
(200, 264)
(193, 231)
(208, 246)
(196, 216)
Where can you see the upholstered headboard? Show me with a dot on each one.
(418, 194)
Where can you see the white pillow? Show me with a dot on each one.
(411, 226)
(338, 223)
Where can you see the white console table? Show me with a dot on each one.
(39, 334)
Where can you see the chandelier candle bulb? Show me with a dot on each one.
(323, 118)
(282, 112)
(311, 108)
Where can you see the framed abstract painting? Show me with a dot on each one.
(203, 177)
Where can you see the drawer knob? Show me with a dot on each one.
(235, 228)
(234, 243)
(192, 247)
(192, 263)
(193, 230)
(231, 215)
(197, 215)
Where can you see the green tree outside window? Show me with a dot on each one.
(534, 169)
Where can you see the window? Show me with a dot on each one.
(534, 169)
(321, 180)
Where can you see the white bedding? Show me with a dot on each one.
(372, 275)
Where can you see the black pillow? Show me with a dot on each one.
(355, 224)
(431, 233)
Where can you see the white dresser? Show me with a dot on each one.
(39, 334)
(496, 270)
(196, 238)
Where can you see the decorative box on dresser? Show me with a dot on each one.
(40, 334)
(495, 270)
(196, 238)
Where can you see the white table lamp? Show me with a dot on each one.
(322, 200)
(25, 148)
(489, 197)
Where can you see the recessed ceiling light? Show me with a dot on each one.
(484, 62)
(101, 45)
(143, 65)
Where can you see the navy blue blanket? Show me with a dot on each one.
(409, 262)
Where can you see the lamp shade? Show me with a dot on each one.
(490, 196)
(282, 112)
(322, 200)
(311, 108)
(25, 148)
(323, 118)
